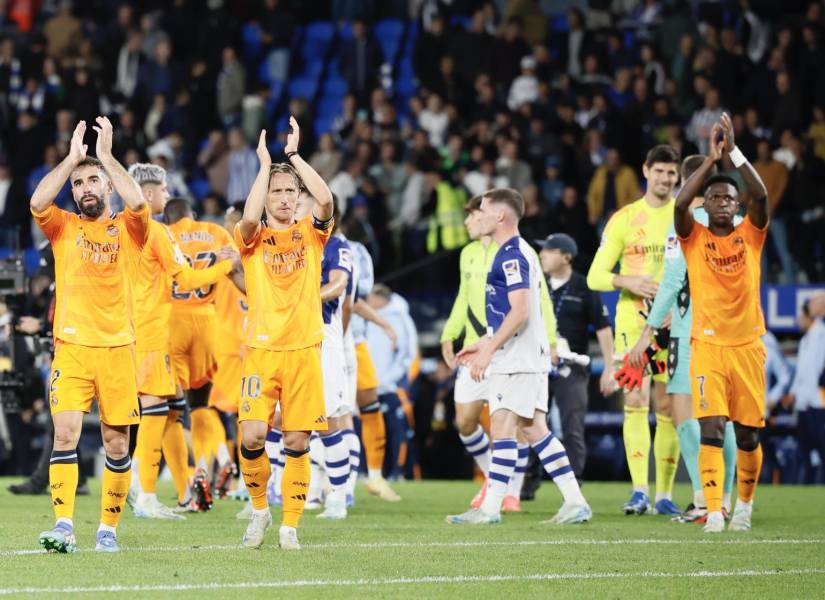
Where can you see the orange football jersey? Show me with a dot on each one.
(94, 264)
(199, 242)
(282, 269)
(724, 283)
(162, 264)
(230, 306)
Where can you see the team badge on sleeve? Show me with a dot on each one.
(512, 271)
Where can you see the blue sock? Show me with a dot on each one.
(689, 434)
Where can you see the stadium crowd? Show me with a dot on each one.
(561, 105)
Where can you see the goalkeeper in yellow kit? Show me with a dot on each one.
(635, 237)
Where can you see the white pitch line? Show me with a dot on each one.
(405, 581)
(457, 544)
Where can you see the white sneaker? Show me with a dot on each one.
(245, 513)
(381, 488)
(334, 511)
(715, 522)
(288, 538)
(255, 532)
(153, 509)
(572, 513)
(474, 516)
(741, 520)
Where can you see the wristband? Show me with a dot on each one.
(289, 155)
(737, 158)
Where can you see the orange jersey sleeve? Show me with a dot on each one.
(282, 269)
(199, 243)
(159, 260)
(724, 274)
(96, 263)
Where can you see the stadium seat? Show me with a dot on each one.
(558, 23)
(323, 124)
(330, 105)
(388, 33)
(317, 39)
(252, 47)
(336, 86)
(199, 186)
(303, 87)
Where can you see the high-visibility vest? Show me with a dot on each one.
(446, 225)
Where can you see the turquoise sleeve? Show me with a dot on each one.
(672, 281)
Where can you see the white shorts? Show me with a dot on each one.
(351, 384)
(466, 390)
(521, 393)
(335, 377)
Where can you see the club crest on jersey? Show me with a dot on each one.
(512, 271)
(112, 231)
(297, 236)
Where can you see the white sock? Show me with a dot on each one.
(318, 476)
(374, 474)
(663, 496)
(516, 481)
(354, 445)
(65, 521)
(104, 527)
(699, 499)
(275, 450)
(502, 465)
(726, 501)
(336, 462)
(145, 497)
(553, 457)
(223, 455)
(477, 445)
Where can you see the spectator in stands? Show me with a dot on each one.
(213, 208)
(50, 160)
(231, 85)
(510, 51)
(775, 176)
(214, 160)
(275, 31)
(816, 132)
(392, 363)
(525, 87)
(786, 114)
(805, 391)
(613, 186)
(243, 166)
(162, 154)
(434, 120)
(804, 208)
(512, 168)
(472, 49)
(15, 219)
(534, 224)
(390, 177)
(326, 160)
(573, 44)
(62, 32)
(552, 187)
(345, 184)
(703, 119)
(360, 59)
(430, 49)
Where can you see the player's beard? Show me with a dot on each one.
(93, 211)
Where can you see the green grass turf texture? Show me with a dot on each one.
(407, 550)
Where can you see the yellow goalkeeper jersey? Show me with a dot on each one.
(635, 237)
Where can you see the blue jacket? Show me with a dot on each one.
(391, 365)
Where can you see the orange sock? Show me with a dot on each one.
(113, 489)
(149, 445)
(176, 454)
(294, 485)
(201, 434)
(748, 466)
(374, 435)
(712, 474)
(63, 476)
(256, 469)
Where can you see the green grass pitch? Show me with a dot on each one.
(407, 550)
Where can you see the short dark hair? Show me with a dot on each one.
(473, 203)
(692, 163)
(175, 210)
(508, 196)
(661, 154)
(91, 161)
(721, 178)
